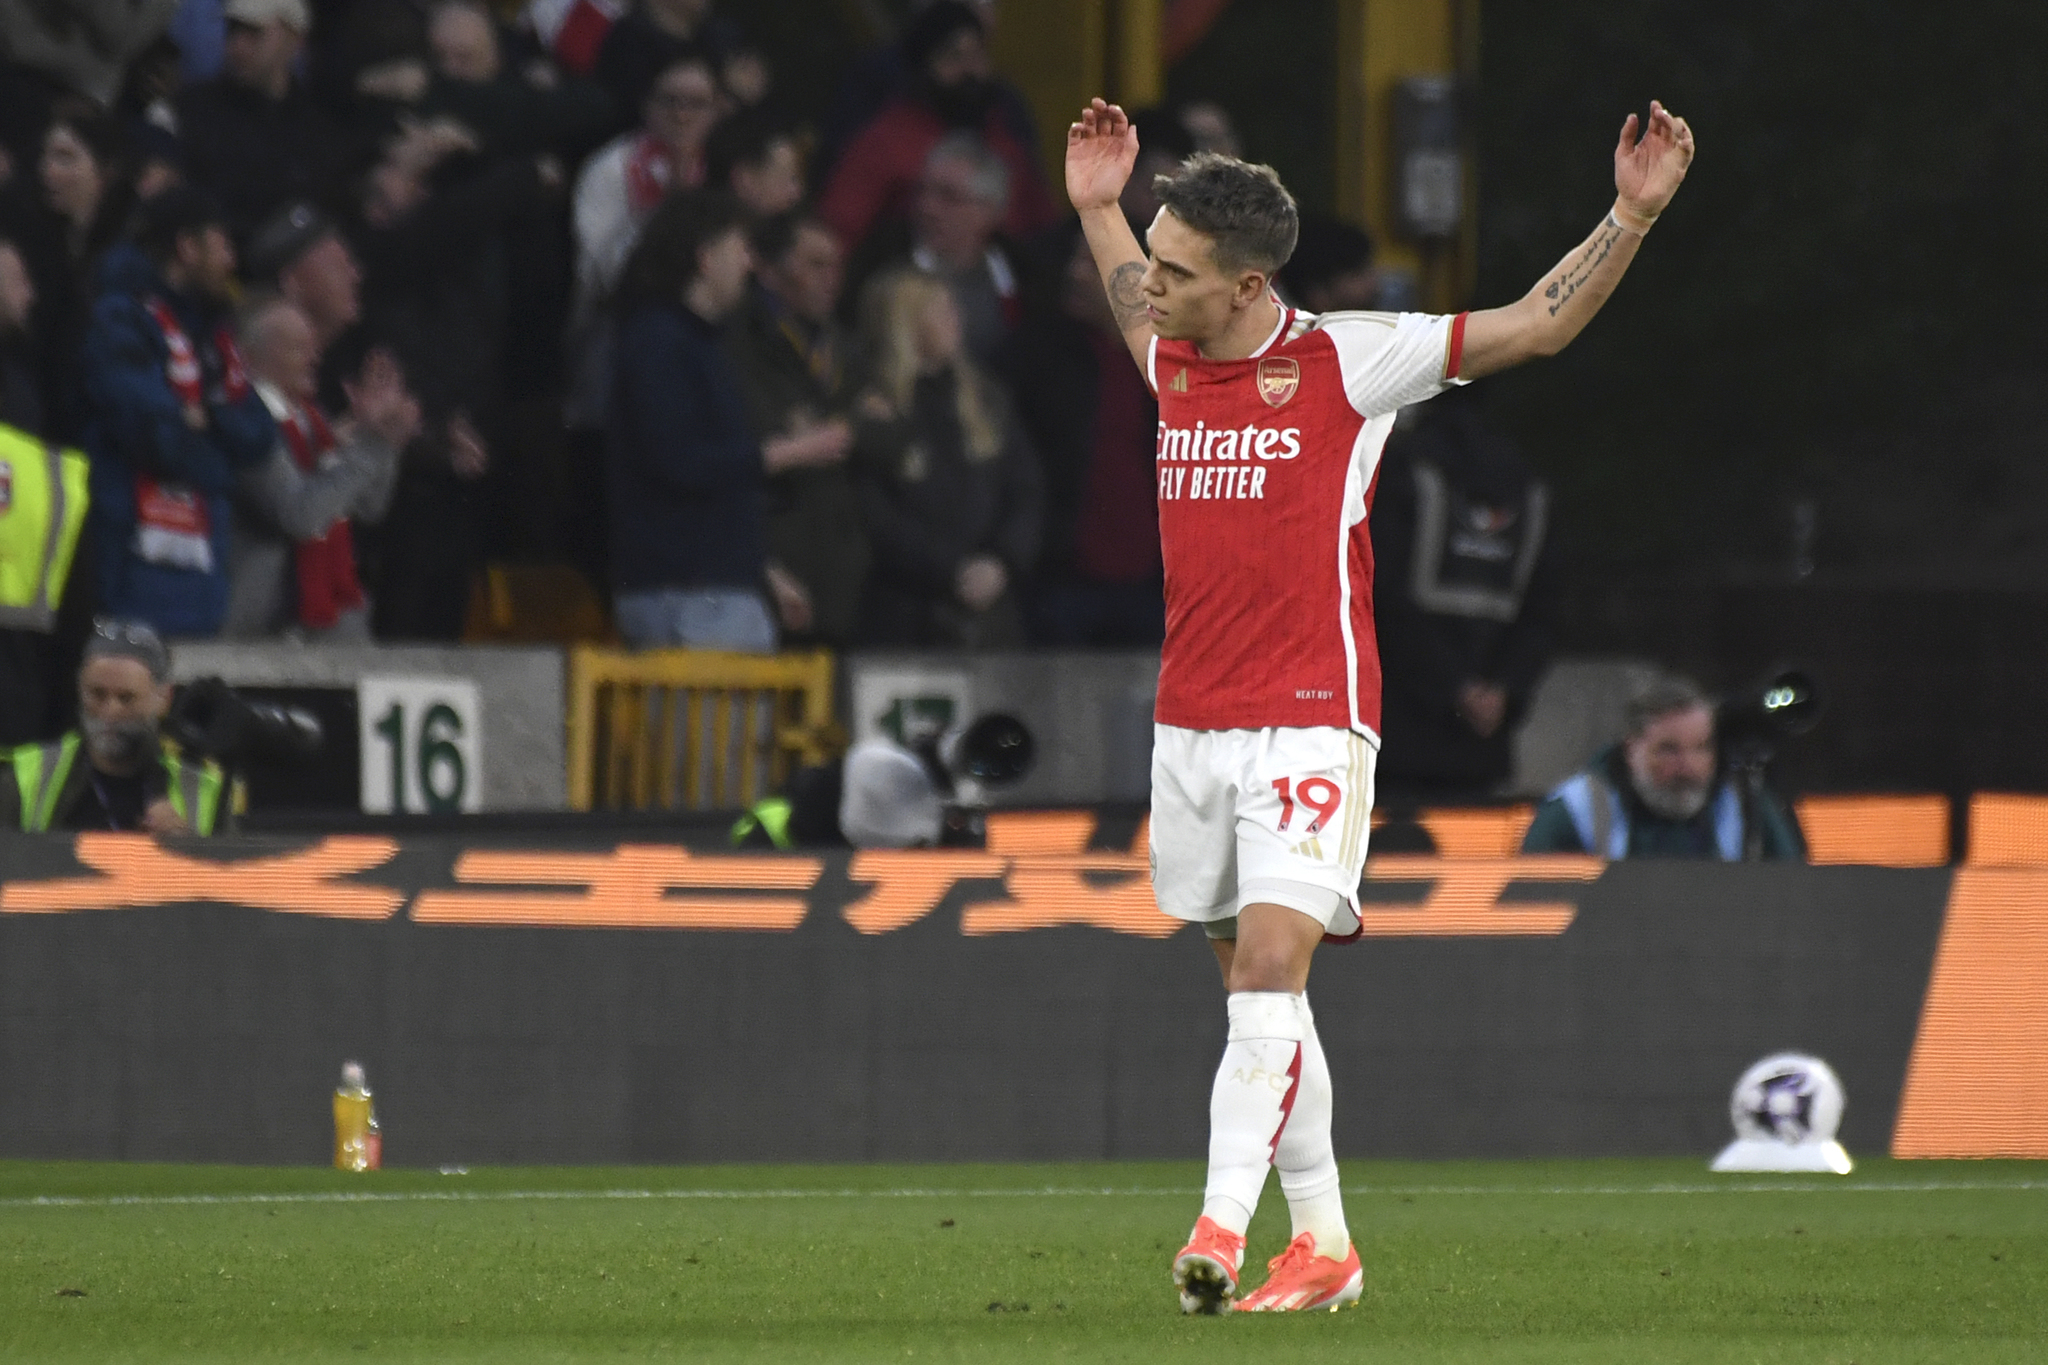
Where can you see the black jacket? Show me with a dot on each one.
(255, 154)
(686, 480)
(1463, 581)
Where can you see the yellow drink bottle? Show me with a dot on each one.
(358, 1145)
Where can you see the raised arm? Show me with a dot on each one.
(1101, 149)
(1647, 172)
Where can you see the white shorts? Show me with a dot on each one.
(1278, 816)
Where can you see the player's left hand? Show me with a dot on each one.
(1649, 169)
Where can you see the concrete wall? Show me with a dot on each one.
(521, 694)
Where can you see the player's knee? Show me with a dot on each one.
(1264, 967)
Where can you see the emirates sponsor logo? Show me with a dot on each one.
(1279, 377)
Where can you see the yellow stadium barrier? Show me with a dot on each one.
(686, 729)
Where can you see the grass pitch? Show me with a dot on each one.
(1598, 1262)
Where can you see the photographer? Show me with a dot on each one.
(1663, 792)
(129, 778)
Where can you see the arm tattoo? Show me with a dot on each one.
(1126, 297)
(1581, 270)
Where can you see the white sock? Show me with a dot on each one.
(1305, 1158)
(1255, 1087)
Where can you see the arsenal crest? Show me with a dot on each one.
(1279, 377)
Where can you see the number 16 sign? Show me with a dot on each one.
(422, 752)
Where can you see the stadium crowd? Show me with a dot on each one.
(343, 299)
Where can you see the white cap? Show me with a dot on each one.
(352, 1077)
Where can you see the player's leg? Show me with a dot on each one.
(1305, 856)
(1194, 877)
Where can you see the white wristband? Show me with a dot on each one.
(1627, 224)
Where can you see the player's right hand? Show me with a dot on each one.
(1101, 149)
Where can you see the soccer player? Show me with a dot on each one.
(1271, 423)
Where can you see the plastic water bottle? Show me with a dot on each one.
(358, 1142)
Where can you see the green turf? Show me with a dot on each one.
(1531, 1261)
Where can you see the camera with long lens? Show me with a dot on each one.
(212, 720)
(1752, 724)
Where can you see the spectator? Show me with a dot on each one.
(302, 254)
(755, 157)
(1209, 125)
(518, 113)
(1162, 145)
(430, 236)
(689, 548)
(294, 564)
(950, 492)
(619, 188)
(253, 136)
(651, 38)
(85, 48)
(171, 417)
(1094, 423)
(960, 204)
(1661, 793)
(876, 180)
(88, 180)
(793, 368)
(1463, 597)
(130, 779)
(1331, 269)
(86, 170)
(21, 389)
(883, 74)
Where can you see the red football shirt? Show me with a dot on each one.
(1266, 470)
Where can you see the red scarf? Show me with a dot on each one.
(172, 526)
(326, 564)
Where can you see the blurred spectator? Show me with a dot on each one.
(1661, 792)
(619, 188)
(952, 90)
(950, 491)
(952, 235)
(793, 366)
(1463, 597)
(689, 549)
(1211, 128)
(430, 237)
(755, 157)
(520, 113)
(293, 563)
(21, 389)
(1162, 145)
(84, 45)
(885, 73)
(253, 136)
(86, 171)
(115, 772)
(574, 30)
(1094, 424)
(302, 254)
(171, 417)
(1331, 269)
(652, 37)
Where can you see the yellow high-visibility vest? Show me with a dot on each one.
(42, 509)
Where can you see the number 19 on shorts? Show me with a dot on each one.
(421, 752)
(1312, 800)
